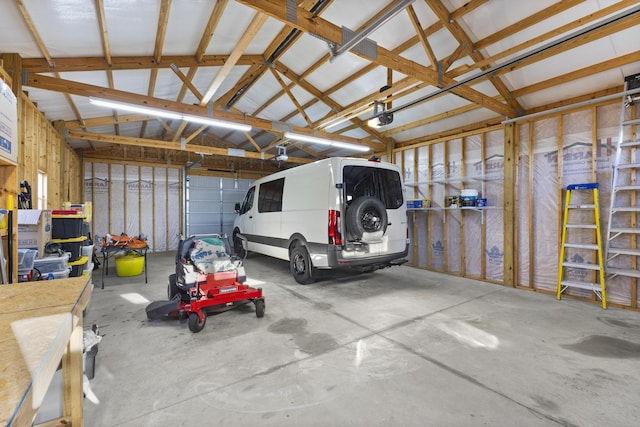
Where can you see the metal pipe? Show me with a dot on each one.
(574, 105)
(572, 36)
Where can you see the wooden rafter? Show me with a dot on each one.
(239, 49)
(291, 97)
(278, 47)
(104, 35)
(557, 31)
(35, 34)
(461, 36)
(421, 35)
(163, 20)
(83, 89)
(212, 24)
(328, 31)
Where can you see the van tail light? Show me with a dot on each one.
(335, 237)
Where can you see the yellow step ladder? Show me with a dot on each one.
(575, 250)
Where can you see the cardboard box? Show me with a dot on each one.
(34, 229)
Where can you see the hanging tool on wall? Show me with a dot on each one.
(24, 198)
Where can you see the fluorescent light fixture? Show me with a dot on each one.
(169, 114)
(323, 141)
(217, 123)
(135, 109)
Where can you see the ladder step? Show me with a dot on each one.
(628, 166)
(625, 230)
(627, 188)
(630, 144)
(591, 246)
(590, 206)
(626, 209)
(581, 265)
(623, 272)
(631, 122)
(624, 251)
(595, 287)
(583, 226)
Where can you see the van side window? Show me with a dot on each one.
(270, 196)
(383, 184)
(247, 204)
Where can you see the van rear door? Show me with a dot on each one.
(375, 210)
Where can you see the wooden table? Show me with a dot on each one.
(40, 326)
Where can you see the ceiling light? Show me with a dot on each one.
(135, 109)
(170, 114)
(323, 141)
(218, 123)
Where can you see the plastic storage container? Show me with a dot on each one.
(77, 267)
(25, 260)
(468, 197)
(129, 265)
(52, 275)
(66, 226)
(52, 264)
(73, 246)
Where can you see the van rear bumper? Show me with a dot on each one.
(335, 259)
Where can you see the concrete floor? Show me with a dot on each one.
(398, 347)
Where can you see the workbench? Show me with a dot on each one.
(110, 251)
(41, 326)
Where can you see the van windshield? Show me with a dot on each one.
(383, 184)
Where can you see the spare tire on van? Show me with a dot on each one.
(366, 217)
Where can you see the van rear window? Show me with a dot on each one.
(383, 184)
(270, 196)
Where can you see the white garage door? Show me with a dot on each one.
(210, 203)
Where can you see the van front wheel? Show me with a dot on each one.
(238, 249)
(300, 265)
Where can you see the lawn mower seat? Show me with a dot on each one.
(204, 255)
(209, 255)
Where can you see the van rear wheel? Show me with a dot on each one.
(300, 265)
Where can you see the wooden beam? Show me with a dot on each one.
(34, 33)
(83, 89)
(242, 44)
(152, 143)
(527, 22)
(461, 36)
(292, 97)
(578, 74)
(555, 32)
(163, 19)
(187, 81)
(509, 190)
(328, 31)
(106, 120)
(104, 35)
(40, 65)
(422, 36)
(207, 34)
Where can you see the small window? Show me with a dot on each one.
(270, 196)
(42, 190)
(247, 204)
(383, 184)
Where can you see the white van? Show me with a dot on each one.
(337, 212)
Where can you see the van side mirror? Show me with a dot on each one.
(237, 207)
